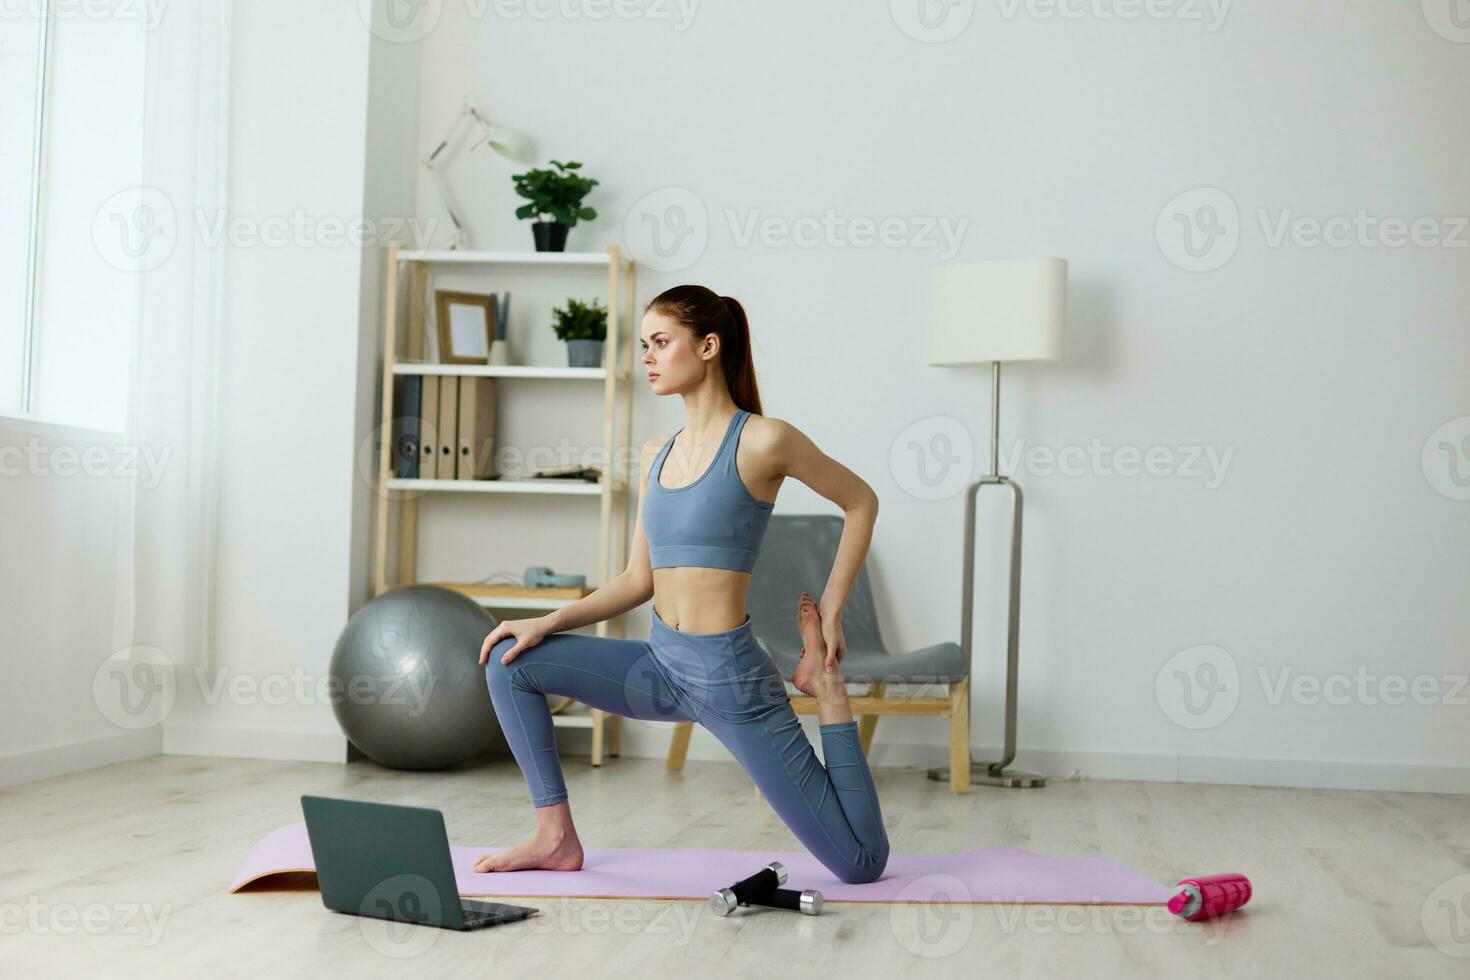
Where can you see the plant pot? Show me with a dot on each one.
(551, 236)
(584, 353)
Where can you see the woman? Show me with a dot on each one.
(706, 496)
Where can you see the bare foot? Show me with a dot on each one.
(813, 646)
(811, 676)
(549, 853)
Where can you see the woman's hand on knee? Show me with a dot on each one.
(527, 632)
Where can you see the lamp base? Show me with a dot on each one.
(981, 774)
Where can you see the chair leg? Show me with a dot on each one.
(599, 728)
(867, 724)
(614, 735)
(679, 745)
(959, 736)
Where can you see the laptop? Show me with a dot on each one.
(392, 862)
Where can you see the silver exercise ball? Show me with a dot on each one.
(409, 690)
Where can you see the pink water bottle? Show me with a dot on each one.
(1207, 896)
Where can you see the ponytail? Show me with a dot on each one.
(705, 312)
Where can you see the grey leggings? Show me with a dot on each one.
(725, 682)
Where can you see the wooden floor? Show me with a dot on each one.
(122, 872)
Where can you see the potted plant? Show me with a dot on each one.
(584, 327)
(555, 198)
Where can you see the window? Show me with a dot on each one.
(22, 69)
(68, 309)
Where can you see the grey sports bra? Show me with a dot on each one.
(714, 522)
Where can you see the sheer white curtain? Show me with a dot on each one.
(167, 554)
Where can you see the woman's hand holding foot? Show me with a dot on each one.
(812, 676)
(809, 626)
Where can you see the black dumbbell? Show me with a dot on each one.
(807, 902)
(747, 891)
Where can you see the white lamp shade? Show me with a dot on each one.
(1000, 310)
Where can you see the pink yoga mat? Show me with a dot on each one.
(988, 875)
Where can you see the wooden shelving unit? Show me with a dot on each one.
(617, 431)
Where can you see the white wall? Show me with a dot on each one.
(290, 384)
(1324, 549)
(392, 161)
(62, 501)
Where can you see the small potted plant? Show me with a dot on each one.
(584, 327)
(555, 198)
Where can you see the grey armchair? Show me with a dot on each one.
(797, 556)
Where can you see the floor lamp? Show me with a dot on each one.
(988, 312)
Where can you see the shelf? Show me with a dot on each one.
(579, 488)
(471, 257)
(491, 602)
(405, 327)
(496, 597)
(505, 371)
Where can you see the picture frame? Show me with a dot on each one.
(465, 325)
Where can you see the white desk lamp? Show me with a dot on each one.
(469, 118)
(1005, 310)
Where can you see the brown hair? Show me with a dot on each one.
(706, 312)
